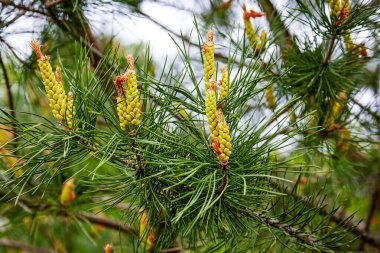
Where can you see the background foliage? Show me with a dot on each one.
(303, 116)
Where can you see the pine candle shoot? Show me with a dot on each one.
(270, 97)
(223, 138)
(54, 89)
(220, 136)
(121, 107)
(70, 108)
(210, 104)
(250, 32)
(209, 61)
(70, 112)
(339, 11)
(132, 95)
(224, 85)
(263, 40)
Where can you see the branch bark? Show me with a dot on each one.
(330, 50)
(364, 108)
(345, 222)
(307, 238)
(24, 247)
(21, 7)
(109, 223)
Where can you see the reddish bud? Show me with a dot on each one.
(251, 13)
(215, 145)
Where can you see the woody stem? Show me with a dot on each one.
(223, 184)
(330, 50)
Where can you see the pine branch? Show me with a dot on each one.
(7, 243)
(52, 3)
(224, 181)
(345, 222)
(364, 108)
(294, 232)
(21, 7)
(84, 35)
(17, 16)
(330, 50)
(11, 48)
(106, 222)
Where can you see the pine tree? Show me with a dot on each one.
(252, 142)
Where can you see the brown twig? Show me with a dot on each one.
(24, 247)
(224, 182)
(345, 222)
(309, 239)
(85, 36)
(364, 108)
(52, 3)
(106, 222)
(109, 223)
(330, 50)
(17, 16)
(21, 7)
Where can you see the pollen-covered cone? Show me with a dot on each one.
(251, 35)
(270, 97)
(345, 6)
(210, 105)
(224, 138)
(224, 85)
(209, 61)
(67, 192)
(347, 40)
(121, 107)
(263, 40)
(132, 96)
(146, 234)
(70, 111)
(335, 8)
(249, 31)
(122, 112)
(54, 90)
